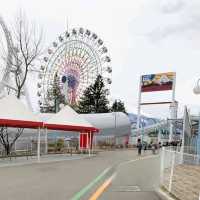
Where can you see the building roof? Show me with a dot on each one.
(115, 123)
(107, 120)
(13, 113)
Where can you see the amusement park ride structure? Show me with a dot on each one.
(7, 68)
(72, 62)
(7, 84)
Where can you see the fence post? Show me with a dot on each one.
(197, 159)
(172, 171)
(162, 166)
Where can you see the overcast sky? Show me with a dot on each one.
(142, 36)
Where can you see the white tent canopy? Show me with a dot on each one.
(44, 117)
(13, 113)
(67, 119)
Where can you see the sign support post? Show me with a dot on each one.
(139, 107)
(153, 83)
(173, 110)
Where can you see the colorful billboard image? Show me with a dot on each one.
(157, 82)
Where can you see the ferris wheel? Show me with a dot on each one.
(73, 62)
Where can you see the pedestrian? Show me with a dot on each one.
(153, 148)
(139, 146)
(159, 146)
(145, 147)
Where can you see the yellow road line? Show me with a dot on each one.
(102, 188)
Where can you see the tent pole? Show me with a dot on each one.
(95, 141)
(88, 143)
(93, 133)
(79, 141)
(46, 141)
(31, 145)
(38, 145)
(15, 145)
(91, 142)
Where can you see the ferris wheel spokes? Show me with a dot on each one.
(78, 57)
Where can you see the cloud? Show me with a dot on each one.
(184, 28)
(178, 18)
(169, 19)
(172, 6)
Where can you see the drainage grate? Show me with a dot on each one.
(127, 188)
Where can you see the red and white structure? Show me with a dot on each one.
(68, 120)
(155, 83)
(13, 113)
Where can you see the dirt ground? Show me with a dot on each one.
(185, 182)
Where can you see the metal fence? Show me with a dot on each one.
(25, 146)
(180, 173)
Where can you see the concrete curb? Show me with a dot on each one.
(44, 161)
(164, 195)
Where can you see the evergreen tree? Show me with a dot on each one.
(94, 99)
(118, 106)
(56, 96)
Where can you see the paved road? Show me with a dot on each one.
(135, 180)
(62, 180)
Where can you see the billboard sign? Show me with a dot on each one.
(157, 82)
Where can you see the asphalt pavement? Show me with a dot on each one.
(137, 179)
(79, 179)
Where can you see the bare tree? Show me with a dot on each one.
(27, 47)
(8, 139)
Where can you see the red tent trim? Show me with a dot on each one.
(20, 123)
(70, 128)
(34, 124)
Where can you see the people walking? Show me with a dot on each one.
(145, 147)
(139, 146)
(153, 148)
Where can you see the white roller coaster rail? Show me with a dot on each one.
(5, 78)
(147, 129)
(5, 81)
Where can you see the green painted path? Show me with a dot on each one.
(83, 191)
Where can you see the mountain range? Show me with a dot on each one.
(144, 120)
